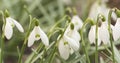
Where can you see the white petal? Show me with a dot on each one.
(44, 37)
(8, 30)
(37, 32)
(114, 16)
(10, 20)
(76, 36)
(63, 50)
(18, 25)
(31, 38)
(112, 27)
(104, 34)
(116, 30)
(98, 8)
(73, 44)
(94, 11)
(99, 40)
(67, 31)
(91, 35)
(77, 22)
(71, 51)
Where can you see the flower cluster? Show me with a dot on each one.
(71, 37)
(103, 33)
(70, 40)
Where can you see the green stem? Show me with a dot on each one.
(56, 44)
(96, 40)
(2, 38)
(53, 27)
(53, 54)
(82, 39)
(37, 50)
(22, 51)
(2, 47)
(110, 33)
(25, 41)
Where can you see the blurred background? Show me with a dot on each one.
(47, 11)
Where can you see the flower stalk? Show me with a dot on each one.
(110, 33)
(25, 41)
(82, 38)
(96, 40)
(2, 39)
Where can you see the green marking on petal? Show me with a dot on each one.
(65, 43)
(12, 25)
(37, 35)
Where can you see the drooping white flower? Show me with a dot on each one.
(77, 22)
(64, 49)
(103, 34)
(73, 33)
(35, 35)
(10, 23)
(91, 35)
(69, 43)
(116, 30)
(98, 8)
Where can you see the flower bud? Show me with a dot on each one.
(36, 22)
(7, 13)
(103, 18)
(72, 26)
(117, 11)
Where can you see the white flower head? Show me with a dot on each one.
(69, 43)
(64, 49)
(36, 34)
(116, 30)
(77, 22)
(103, 34)
(91, 35)
(10, 23)
(98, 9)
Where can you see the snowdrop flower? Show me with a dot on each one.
(98, 8)
(10, 23)
(69, 43)
(103, 34)
(77, 22)
(91, 35)
(36, 34)
(116, 30)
